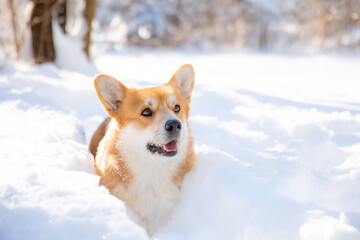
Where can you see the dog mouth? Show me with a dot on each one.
(169, 149)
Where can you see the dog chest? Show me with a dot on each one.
(154, 195)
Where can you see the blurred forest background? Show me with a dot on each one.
(28, 28)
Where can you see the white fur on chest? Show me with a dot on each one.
(152, 192)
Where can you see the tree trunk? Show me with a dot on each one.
(89, 15)
(41, 31)
(14, 28)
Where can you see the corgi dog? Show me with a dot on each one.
(145, 148)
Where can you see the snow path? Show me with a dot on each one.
(278, 142)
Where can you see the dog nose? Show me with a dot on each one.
(173, 126)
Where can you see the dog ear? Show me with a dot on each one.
(184, 77)
(110, 92)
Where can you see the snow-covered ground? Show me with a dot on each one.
(277, 137)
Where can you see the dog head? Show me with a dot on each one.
(152, 121)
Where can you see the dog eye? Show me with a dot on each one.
(146, 112)
(177, 108)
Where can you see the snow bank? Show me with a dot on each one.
(48, 189)
(221, 200)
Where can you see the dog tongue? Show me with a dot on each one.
(171, 146)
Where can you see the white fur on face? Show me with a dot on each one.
(134, 141)
(138, 139)
(168, 89)
(151, 102)
(171, 100)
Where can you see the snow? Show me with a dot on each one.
(48, 188)
(277, 138)
(319, 226)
